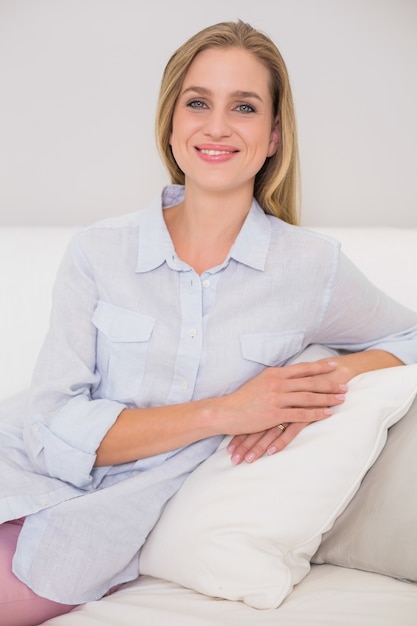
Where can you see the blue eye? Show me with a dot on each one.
(196, 104)
(245, 108)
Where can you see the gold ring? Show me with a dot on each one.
(281, 427)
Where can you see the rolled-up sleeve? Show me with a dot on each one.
(358, 316)
(66, 422)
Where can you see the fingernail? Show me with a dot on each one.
(328, 412)
(231, 448)
(272, 450)
(343, 387)
(250, 457)
(236, 459)
(340, 396)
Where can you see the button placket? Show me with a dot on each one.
(190, 341)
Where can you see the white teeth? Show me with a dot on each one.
(215, 152)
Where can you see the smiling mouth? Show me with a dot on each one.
(217, 152)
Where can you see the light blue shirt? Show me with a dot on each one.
(134, 326)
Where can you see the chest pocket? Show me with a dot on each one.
(122, 343)
(271, 349)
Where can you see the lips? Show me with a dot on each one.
(216, 150)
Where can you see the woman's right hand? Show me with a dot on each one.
(295, 395)
(299, 393)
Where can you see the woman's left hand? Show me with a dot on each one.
(251, 447)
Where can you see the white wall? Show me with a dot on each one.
(79, 82)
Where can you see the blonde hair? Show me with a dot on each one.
(276, 184)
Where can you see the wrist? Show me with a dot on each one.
(351, 365)
(211, 416)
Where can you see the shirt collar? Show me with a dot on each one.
(156, 247)
(155, 243)
(252, 243)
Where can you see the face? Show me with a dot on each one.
(223, 124)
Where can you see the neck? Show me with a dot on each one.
(204, 227)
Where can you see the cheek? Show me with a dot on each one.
(173, 141)
(174, 126)
(176, 150)
(173, 137)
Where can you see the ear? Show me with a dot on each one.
(275, 138)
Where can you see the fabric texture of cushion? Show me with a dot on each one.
(248, 532)
(377, 532)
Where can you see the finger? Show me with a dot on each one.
(307, 368)
(319, 383)
(301, 407)
(259, 447)
(235, 442)
(303, 415)
(282, 442)
(244, 444)
(310, 399)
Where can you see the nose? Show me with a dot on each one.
(217, 124)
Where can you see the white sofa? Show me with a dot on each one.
(365, 580)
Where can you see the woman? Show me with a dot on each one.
(174, 326)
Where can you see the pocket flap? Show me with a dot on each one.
(122, 325)
(271, 348)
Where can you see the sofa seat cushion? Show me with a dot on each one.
(328, 596)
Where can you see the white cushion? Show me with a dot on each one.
(248, 532)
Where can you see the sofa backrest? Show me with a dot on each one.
(29, 258)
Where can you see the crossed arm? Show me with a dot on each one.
(294, 395)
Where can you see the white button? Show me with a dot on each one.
(192, 332)
(184, 385)
(206, 283)
(36, 427)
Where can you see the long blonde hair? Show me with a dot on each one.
(276, 184)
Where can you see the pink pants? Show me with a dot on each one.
(19, 605)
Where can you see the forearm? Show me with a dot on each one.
(360, 362)
(141, 433)
(273, 396)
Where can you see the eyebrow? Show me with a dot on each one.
(237, 94)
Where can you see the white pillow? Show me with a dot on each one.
(248, 532)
